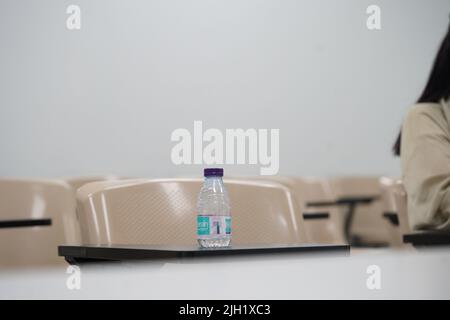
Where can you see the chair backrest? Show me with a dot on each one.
(317, 189)
(78, 182)
(163, 212)
(346, 186)
(49, 202)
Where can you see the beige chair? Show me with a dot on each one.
(77, 182)
(46, 202)
(369, 226)
(163, 212)
(307, 190)
(329, 230)
(321, 230)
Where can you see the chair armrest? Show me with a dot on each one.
(392, 217)
(344, 201)
(315, 215)
(25, 223)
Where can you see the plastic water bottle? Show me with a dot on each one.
(213, 216)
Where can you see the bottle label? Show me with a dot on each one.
(213, 226)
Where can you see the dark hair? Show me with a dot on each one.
(438, 85)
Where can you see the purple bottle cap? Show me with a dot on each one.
(213, 172)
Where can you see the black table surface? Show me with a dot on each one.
(147, 252)
(427, 238)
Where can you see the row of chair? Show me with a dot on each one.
(38, 215)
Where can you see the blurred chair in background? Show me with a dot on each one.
(35, 217)
(362, 200)
(164, 212)
(323, 224)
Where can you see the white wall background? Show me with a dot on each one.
(106, 98)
